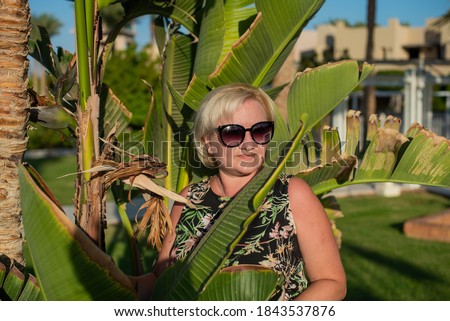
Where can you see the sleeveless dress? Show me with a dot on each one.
(270, 240)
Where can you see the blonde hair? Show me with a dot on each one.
(221, 103)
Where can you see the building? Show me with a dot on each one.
(395, 46)
(420, 55)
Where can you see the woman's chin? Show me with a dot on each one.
(248, 168)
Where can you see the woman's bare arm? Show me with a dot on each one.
(318, 246)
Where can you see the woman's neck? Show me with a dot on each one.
(230, 186)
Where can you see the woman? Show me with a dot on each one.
(292, 234)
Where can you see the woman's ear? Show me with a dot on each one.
(207, 146)
(210, 145)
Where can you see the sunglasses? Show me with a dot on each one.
(233, 135)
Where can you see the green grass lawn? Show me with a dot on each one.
(52, 170)
(380, 261)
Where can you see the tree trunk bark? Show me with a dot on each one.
(370, 101)
(14, 103)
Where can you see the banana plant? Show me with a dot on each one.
(220, 42)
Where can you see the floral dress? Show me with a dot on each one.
(270, 240)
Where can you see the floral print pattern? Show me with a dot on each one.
(270, 241)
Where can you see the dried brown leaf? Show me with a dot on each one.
(146, 183)
(156, 221)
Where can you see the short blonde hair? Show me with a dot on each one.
(221, 103)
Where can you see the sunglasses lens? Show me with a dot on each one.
(232, 135)
(262, 132)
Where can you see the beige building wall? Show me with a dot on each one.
(390, 41)
(390, 45)
(308, 41)
(351, 39)
(324, 34)
(444, 31)
(389, 51)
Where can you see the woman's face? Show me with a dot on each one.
(246, 158)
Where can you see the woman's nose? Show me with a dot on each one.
(248, 141)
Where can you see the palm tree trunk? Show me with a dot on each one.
(14, 33)
(370, 102)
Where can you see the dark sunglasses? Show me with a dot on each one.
(233, 135)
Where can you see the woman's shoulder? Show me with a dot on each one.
(296, 183)
(284, 183)
(301, 196)
(295, 187)
(291, 182)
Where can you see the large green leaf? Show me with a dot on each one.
(210, 39)
(166, 130)
(425, 161)
(222, 24)
(185, 12)
(238, 17)
(115, 117)
(196, 91)
(258, 54)
(248, 53)
(381, 156)
(421, 158)
(338, 172)
(177, 72)
(154, 131)
(248, 283)
(286, 154)
(68, 265)
(318, 91)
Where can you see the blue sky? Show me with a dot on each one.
(414, 12)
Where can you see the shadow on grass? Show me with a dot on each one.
(365, 285)
(398, 227)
